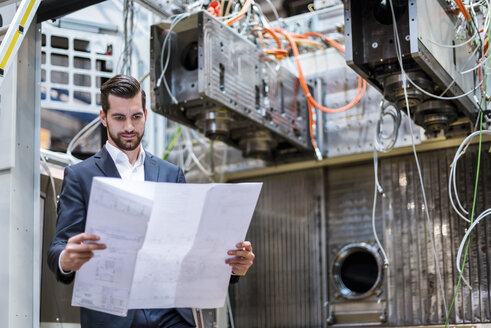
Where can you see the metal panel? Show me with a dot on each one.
(55, 297)
(19, 204)
(51, 9)
(349, 207)
(414, 295)
(283, 280)
(284, 286)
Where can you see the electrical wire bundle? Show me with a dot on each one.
(483, 69)
(247, 18)
(261, 29)
(305, 39)
(182, 148)
(479, 48)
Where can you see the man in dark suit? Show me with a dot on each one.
(124, 115)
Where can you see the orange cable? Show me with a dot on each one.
(273, 34)
(463, 10)
(330, 41)
(361, 83)
(241, 14)
(279, 53)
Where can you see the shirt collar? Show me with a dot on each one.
(119, 156)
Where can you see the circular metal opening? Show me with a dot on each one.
(357, 271)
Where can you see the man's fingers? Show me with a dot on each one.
(84, 247)
(81, 237)
(80, 256)
(246, 245)
(72, 261)
(244, 254)
(238, 260)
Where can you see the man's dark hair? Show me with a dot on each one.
(123, 86)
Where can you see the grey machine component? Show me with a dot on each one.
(357, 294)
(227, 89)
(370, 51)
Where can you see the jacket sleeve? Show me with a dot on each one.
(180, 176)
(71, 220)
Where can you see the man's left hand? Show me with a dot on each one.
(243, 258)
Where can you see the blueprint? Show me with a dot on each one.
(166, 244)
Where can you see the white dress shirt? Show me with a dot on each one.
(125, 169)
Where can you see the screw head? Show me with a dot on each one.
(374, 45)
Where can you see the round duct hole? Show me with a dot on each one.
(357, 271)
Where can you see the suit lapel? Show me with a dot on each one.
(151, 168)
(106, 164)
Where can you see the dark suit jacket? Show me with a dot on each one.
(74, 198)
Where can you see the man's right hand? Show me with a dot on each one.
(77, 251)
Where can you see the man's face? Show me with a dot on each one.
(125, 121)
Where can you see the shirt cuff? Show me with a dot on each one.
(59, 265)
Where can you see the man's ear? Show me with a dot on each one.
(103, 117)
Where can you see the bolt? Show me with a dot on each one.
(407, 37)
(374, 45)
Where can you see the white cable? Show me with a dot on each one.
(378, 189)
(476, 34)
(127, 42)
(454, 46)
(275, 12)
(462, 244)
(387, 110)
(193, 156)
(443, 98)
(167, 45)
(480, 65)
(89, 127)
(451, 187)
(248, 17)
(428, 219)
(453, 168)
(52, 181)
(436, 96)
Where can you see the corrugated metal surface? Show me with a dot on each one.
(287, 285)
(349, 207)
(284, 288)
(414, 295)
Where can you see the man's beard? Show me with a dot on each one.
(126, 144)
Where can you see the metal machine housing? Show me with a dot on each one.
(229, 90)
(423, 26)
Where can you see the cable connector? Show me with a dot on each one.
(380, 189)
(318, 154)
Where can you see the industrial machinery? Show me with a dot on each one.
(214, 79)
(434, 54)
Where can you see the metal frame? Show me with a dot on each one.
(20, 227)
(92, 72)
